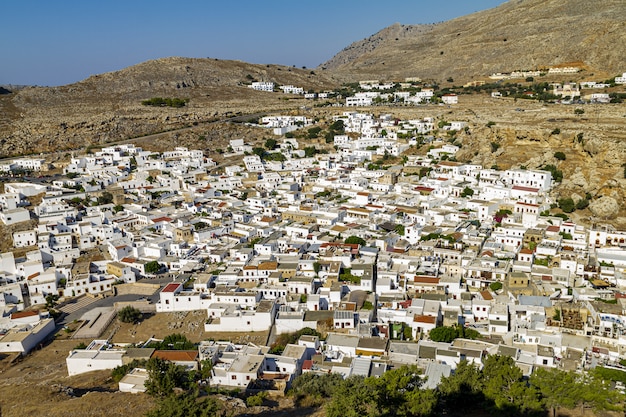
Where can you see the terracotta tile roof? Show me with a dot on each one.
(522, 188)
(486, 295)
(424, 319)
(22, 314)
(176, 355)
(162, 219)
(426, 280)
(171, 287)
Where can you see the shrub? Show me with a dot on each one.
(129, 314)
(567, 205)
(560, 156)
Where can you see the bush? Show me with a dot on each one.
(494, 146)
(256, 400)
(129, 314)
(567, 205)
(495, 286)
(560, 156)
(165, 102)
(356, 240)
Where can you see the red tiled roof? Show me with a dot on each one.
(22, 314)
(161, 219)
(426, 280)
(424, 319)
(171, 287)
(128, 260)
(522, 188)
(176, 355)
(486, 295)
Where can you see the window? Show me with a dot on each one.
(233, 377)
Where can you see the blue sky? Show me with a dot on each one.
(45, 42)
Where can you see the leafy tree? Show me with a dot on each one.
(567, 204)
(464, 386)
(315, 388)
(560, 156)
(553, 395)
(259, 151)
(118, 208)
(579, 111)
(129, 314)
(443, 334)
(556, 131)
(152, 267)
(105, 198)
(174, 341)
(353, 398)
(270, 144)
(310, 151)
(582, 204)
(495, 286)
(186, 405)
(51, 300)
(467, 192)
(314, 132)
(355, 240)
(164, 376)
(399, 229)
(504, 386)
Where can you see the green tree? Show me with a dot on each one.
(270, 144)
(152, 267)
(129, 314)
(560, 156)
(582, 204)
(504, 386)
(105, 198)
(355, 240)
(399, 229)
(310, 388)
(567, 204)
(495, 286)
(579, 111)
(51, 300)
(313, 132)
(565, 393)
(467, 192)
(164, 376)
(443, 334)
(186, 404)
(310, 151)
(463, 387)
(353, 398)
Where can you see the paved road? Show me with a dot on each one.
(85, 306)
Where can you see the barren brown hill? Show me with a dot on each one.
(107, 107)
(517, 35)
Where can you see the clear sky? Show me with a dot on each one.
(48, 42)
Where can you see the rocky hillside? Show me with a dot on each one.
(107, 107)
(519, 34)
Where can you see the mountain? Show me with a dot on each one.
(517, 35)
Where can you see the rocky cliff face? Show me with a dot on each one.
(520, 34)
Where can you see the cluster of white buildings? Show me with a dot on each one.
(534, 73)
(445, 243)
